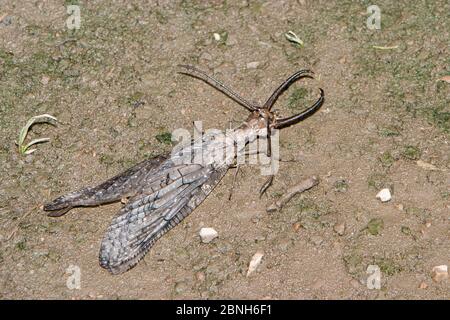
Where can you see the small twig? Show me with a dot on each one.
(291, 192)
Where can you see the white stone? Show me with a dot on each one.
(440, 273)
(255, 262)
(339, 228)
(216, 36)
(384, 195)
(252, 65)
(208, 234)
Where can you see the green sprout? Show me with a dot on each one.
(25, 149)
(165, 138)
(412, 153)
(375, 226)
(292, 37)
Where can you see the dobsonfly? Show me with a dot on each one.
(163, 190)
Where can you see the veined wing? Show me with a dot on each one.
(125, 184)
(154, 211)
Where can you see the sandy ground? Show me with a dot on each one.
(114, 88)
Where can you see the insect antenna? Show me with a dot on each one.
(284, 86)
(216, 84)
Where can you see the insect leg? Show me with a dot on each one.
(266, 185)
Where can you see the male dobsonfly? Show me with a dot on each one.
(163, 190)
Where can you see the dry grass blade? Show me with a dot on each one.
(292, 37)
(43, 118)
(385, 48)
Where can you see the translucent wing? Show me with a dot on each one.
(162, 192)
(168, 197)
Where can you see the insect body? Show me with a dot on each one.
(163, 190)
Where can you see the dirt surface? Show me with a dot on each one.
(114, 88)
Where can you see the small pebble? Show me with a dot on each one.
(216, 36)
(384, 195)
(252, 65)
(316, 240)
(45, 80)
(423, 285)
(180, 287)
(200, 276)
(208, 234)
(206, 56)
(440, 273)
(255, 262)
(339, 228)
(297, 226)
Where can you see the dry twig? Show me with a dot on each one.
(299, 188)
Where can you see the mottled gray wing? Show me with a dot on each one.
(165, 201)
(123, 185)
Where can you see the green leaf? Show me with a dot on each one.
(165, 137)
